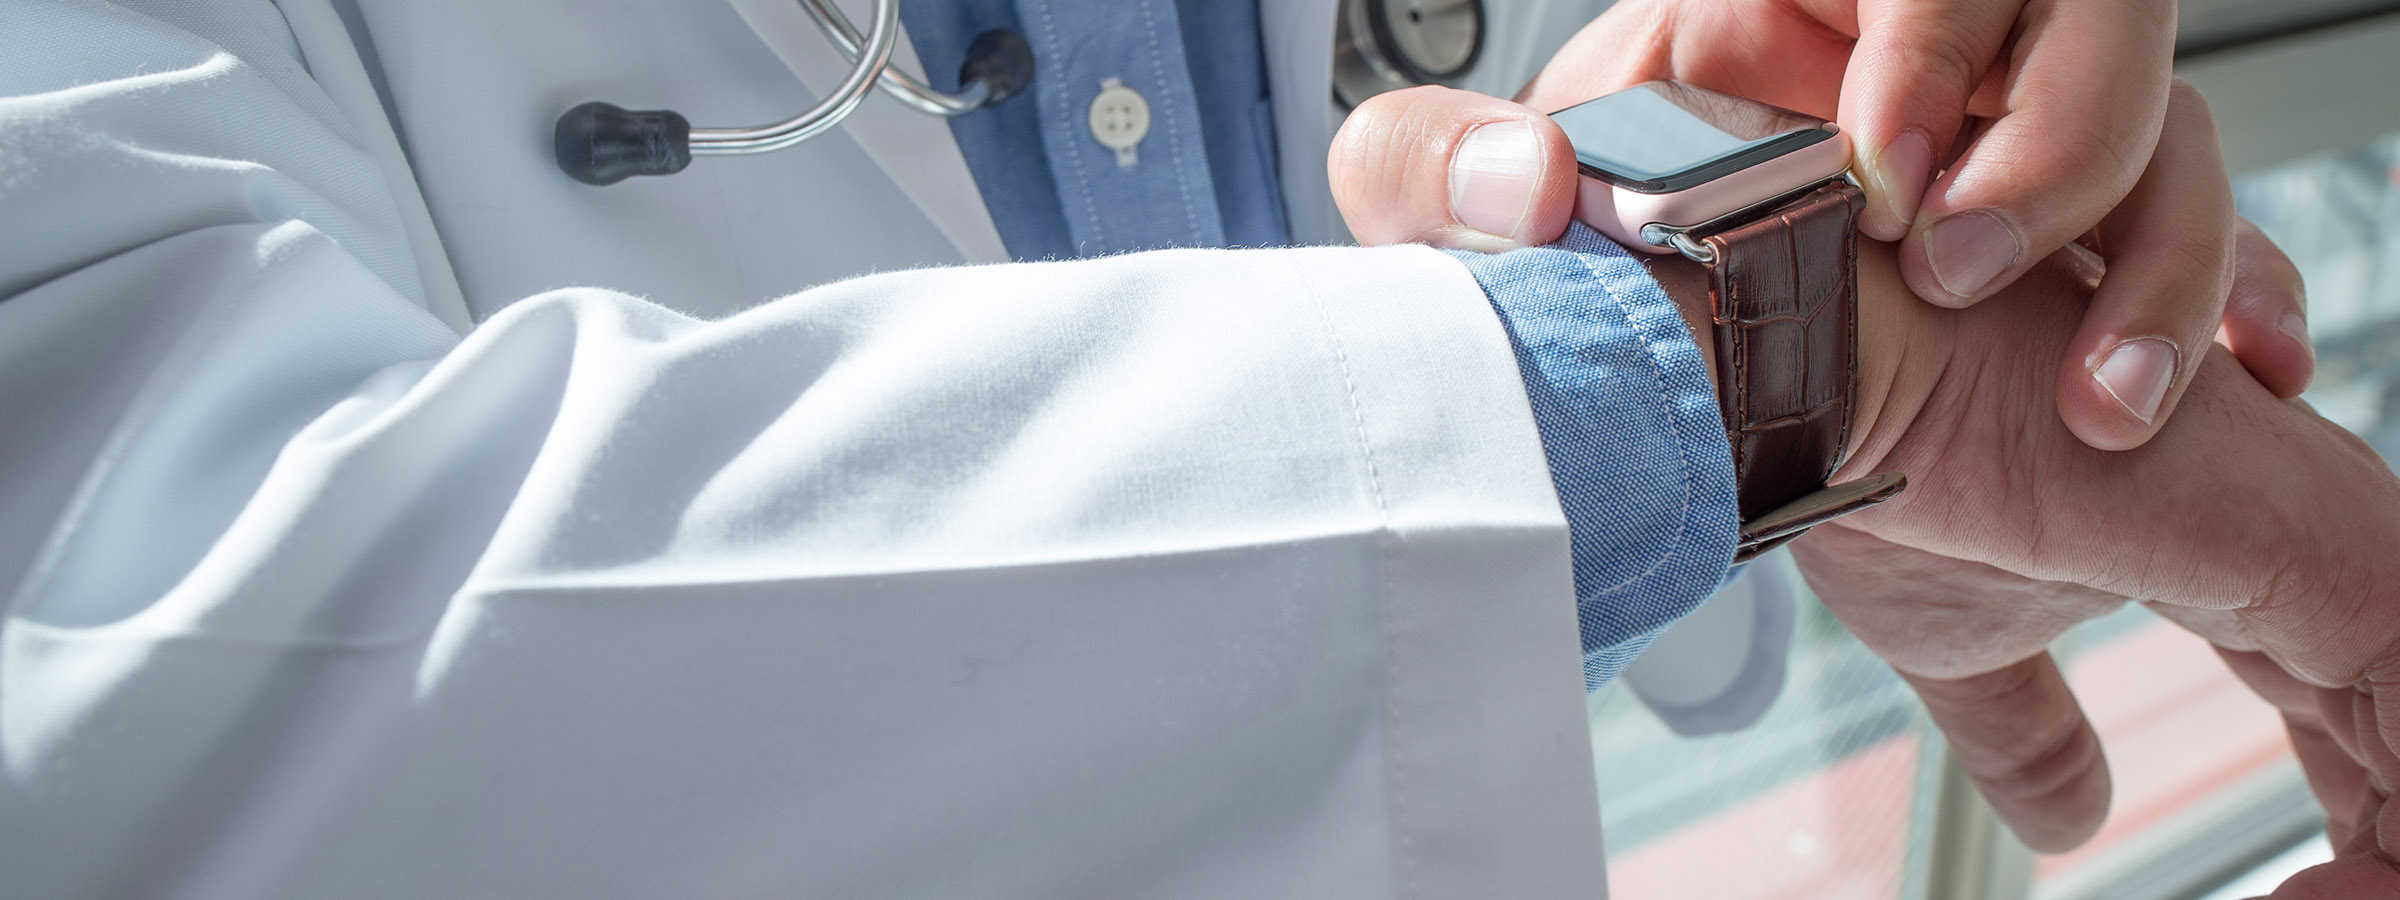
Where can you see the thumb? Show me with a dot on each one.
(1452, 169)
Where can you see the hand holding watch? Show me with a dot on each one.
(1761, 197)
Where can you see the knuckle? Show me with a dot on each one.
(2091, 166)
(2046, 761)
(2111, 171)
(1946, 48)
(2106, 156)
(2186, 107)
(2264, 273)
(2156, 18)
(2104, 160)
(2205, 255)
(2207, 264)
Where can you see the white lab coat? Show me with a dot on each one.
(353, 551)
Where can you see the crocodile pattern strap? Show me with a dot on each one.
(1786, 311)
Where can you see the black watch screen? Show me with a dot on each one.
(1664, 136)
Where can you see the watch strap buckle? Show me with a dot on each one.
(1778, 526)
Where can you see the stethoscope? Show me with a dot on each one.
(601, 143)
(1379, 45)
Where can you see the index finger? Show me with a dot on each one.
(1906, 93)
(2086, 98)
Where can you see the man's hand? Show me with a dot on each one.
(2253, 522)
(2045, 123)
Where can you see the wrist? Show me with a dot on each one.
(1880, 409)
(1901, 355)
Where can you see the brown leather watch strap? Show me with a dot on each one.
(1785, 305)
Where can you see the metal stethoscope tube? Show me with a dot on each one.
(599, 143)
(897, 84)
(829, 112)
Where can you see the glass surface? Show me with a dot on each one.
(1662, 136)
(2177, 726)
(1814, 801)
(2337, 216)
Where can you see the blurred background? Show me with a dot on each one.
(1843, 790)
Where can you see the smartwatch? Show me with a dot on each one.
(1761, 196)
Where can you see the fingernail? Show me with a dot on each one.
(1901, 172)
(2137, 374)
(1492, 177)
(1968, 250)
(2297, 327)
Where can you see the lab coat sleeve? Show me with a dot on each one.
(1197, 573)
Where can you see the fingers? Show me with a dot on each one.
(2370, 714)
(2170, 263)
(1790, 53)
(2337, 780)
(2347, 878)
(2085, 103)
(1453, 169)
(2334, 775)
(2019, 734)
(2266, 315)
(1905, 94)
(2011, 719)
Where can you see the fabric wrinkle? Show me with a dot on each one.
(1626, 414)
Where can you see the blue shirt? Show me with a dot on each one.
(1630, 426)
(1627, 416)
(1204, 174)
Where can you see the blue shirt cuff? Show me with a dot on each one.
(1629, 423)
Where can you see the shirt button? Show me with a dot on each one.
(1119, 119)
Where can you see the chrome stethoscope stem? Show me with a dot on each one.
(601, 143)
(829, 112)
(898, 84)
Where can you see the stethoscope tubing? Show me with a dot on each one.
(600, 143)
(868, 67)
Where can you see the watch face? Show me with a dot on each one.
(1663, 136)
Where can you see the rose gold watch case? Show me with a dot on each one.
(1621, 213)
